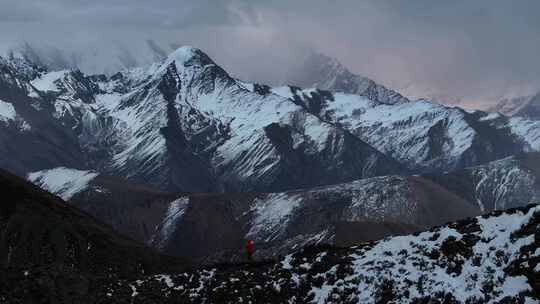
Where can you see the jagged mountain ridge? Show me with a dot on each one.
(187, 115)
(425, 136)
(185, 124)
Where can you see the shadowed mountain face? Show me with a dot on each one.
(24, 125)
(498, 185)
(50, 250)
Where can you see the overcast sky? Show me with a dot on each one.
(475, 50)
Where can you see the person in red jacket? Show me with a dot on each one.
(249, 249)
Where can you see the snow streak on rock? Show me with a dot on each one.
(271, 216)
(63, 182)
(175, 211)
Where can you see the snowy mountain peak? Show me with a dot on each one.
(188, 54)
(327, 73)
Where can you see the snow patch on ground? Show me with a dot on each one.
(64, 182)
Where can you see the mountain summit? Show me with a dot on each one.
(326, 73)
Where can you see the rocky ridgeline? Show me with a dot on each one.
(490, 259)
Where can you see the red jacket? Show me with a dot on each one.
(249, 247)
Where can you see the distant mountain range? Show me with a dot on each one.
(523, 106)
(183, 124)
(326, 73)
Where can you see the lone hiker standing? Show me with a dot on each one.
(249, 250)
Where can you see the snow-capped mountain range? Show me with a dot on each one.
(184, 124)
(423, 135)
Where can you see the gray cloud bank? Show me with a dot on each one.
(472, 50)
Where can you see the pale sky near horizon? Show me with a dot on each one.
(472, 50)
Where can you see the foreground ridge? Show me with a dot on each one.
(490, 259)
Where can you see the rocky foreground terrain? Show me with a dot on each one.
(489, 259)
(52, 252)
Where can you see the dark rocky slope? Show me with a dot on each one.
(51, 252)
